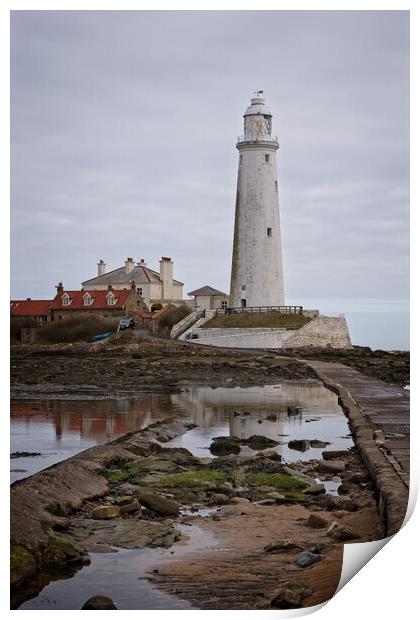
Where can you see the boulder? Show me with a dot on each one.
(345, 488)
(159, 503)
(341, 533)
(299, 444)
(295, 473)
(306, 558)
(126, 499)
(292, 594)
(317, 443)
(275, 495)
(315, 489)
(331, 467)
(317, 521)
(282, 545)
(332, 455)
(217, 499)
(239, 500)
(99, 602)
(269, 454)
(105, 512)
(130, 507)
(222, 446)
(259, 442)
(272, 417)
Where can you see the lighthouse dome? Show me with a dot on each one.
(257, 107)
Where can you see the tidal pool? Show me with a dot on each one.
(123, 576)
(242, 412)
(61, 428)
(58, 429)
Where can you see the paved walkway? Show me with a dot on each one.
(379, 417)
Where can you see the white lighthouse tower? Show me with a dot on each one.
(257, 271)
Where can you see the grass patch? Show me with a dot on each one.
(281, 482)
(260, 319)
(193, 479)
(115, 476)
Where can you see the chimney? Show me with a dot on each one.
(101, 268)
(142, 263)
(166, 275)
(60, 288)
(129, 265)
(28, 299)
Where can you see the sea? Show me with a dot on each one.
(374, 323)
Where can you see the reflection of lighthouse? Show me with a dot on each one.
(257, 271)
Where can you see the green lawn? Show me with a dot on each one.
(261, 319)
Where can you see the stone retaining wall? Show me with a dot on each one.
(323, 331)
(391, 484)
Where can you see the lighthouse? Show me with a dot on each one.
(257, 270)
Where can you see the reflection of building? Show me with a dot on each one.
(213, 408)
(100, 420)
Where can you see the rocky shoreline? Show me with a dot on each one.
(134, 492)
(283, 532)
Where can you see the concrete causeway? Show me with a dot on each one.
(379, 417)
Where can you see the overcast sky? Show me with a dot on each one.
(124, 127)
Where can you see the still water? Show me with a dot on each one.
(59, 429)
(242, 412)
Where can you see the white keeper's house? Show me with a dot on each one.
(153, 286)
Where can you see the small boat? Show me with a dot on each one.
(101, 336)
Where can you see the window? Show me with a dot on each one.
(267, 124)
(267, 158)
(244, 287)
(65, 300)
(140, 291)
(275, 185)
(240, 158)
(224, 304)
(87, 300)
(269, 232)
(110, 299)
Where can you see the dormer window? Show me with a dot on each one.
(110, 299)
(65, 300)
(87, 299)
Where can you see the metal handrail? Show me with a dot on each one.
(257, 309)
(265, 139)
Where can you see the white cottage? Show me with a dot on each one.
(153, 286)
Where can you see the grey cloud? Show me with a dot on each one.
(123, 143)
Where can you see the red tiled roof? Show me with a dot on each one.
(99, 300)
(147, 314)
(29, 307)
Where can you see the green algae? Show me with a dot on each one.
(190, 479)
(281, 482)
